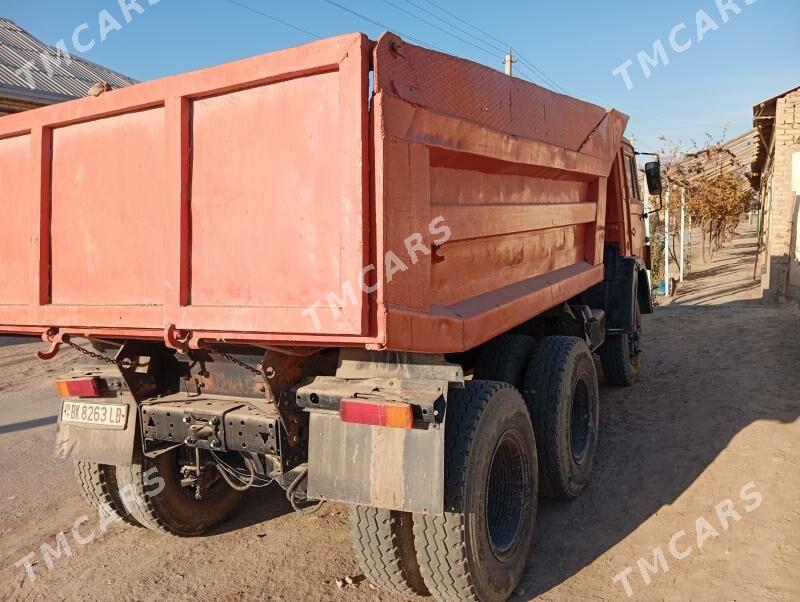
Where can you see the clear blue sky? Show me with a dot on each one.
(577, 44)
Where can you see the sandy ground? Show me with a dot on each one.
(717, 409)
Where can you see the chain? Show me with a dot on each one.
(269, 372)
(126, 363)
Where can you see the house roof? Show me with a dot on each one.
(70, 79)
(735, 156)
(764, 123)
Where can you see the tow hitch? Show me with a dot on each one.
(205, 423)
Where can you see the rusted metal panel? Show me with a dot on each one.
(450, 186)
(515, 171)
(475, 221)
(224, 201)
(18, 262)
(287, 203)
(469, 323)
(482, 95)
(502, 260)
(256, 202)
(595, 232)
(107, 234)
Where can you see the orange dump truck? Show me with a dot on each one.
(369, 272)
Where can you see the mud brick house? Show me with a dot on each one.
(777, 177)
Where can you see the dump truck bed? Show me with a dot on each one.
(260, 202)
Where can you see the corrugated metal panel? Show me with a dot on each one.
(69, 79)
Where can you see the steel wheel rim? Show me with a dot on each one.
(507, 495)
(580, 423)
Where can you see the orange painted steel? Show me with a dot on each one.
(246, 202)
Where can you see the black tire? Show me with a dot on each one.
(620, 354)
(562, 393)
(100, 490)
(383, 542)
(152, 492)
(477, 549)
(506, 359)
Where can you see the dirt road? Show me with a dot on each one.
(716, 411)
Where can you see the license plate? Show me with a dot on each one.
(95, 414)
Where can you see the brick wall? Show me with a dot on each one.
(8, 105)
(782, 278)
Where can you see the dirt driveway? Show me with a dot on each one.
(701, 460)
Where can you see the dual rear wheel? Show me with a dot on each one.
(558, 381)
(478, 548)
(152, 493)
(527, 424)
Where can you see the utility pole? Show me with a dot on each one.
(509, 61)
(689, 254)
(683, 234)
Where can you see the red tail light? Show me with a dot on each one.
(376, 413)
(78, 387)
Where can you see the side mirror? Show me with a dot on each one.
(652, 172)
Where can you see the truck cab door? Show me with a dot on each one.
(634, 206)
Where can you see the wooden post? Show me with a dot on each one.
(683, 233)
(666, 243)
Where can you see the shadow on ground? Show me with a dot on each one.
(28, 424)
(8, 341)
(709, 371)
(262, 505)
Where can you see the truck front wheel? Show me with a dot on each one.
(154, 494)
(478, 548)
(619, 354)
(561, 390)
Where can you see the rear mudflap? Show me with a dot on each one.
(382, 467)
(100, 445)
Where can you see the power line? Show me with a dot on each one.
(542, 74)
(532, 67)
(381, 25)
(457, 37)
(404, 35)
(523, 70)
(467, 23)
(461, 29)
(275, 19)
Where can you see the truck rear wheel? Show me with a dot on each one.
(383, 542)
(478, 548)
(561, 390)
(154, 495)
(100, 490)
(619, 354)
(506, 359)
